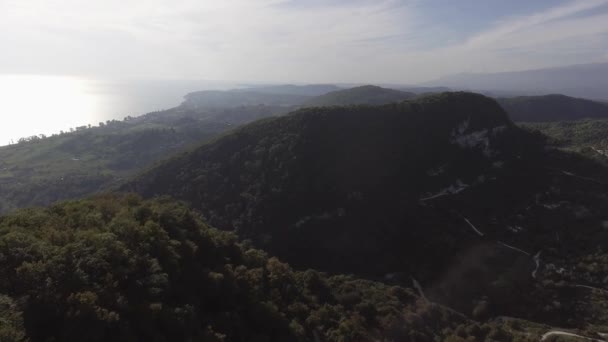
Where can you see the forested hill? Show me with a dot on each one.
(552, 108)
(369, 94)
(344, 180)
(357, 169)
(429, 188)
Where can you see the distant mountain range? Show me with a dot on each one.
(292, 96)
(586, 80)
(290, 89)
(369, 94)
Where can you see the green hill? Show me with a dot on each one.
(552, 108)
(371, 95)
(433, 188)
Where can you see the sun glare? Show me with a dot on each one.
(33, 105)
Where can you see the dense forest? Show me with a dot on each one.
(122, 269)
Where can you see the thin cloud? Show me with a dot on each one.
(283, 40)
(511, 26)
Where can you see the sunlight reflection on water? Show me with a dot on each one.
(32, 104)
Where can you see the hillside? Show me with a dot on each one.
(586, 136)
(432, 189)
(552, 108)
(91, 159)
(122, 269)
(371, 95)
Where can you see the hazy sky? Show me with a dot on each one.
(399, 41)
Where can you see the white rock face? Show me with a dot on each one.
(602, 152)
(475, 139)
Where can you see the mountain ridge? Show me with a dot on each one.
(367, 94)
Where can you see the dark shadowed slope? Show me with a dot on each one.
(372, 95)
(345, 181)
(552, 108)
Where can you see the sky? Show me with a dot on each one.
(307, 41)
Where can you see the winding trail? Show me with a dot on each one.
(537, 262)
(473, 227)
(591, 288)
(570, 174)
(513, 248)
(564, 333)
(449, 191)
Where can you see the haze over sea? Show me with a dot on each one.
(41, 104)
